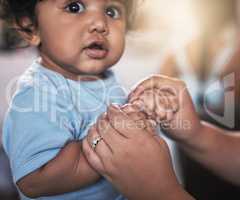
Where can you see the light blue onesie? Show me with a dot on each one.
(46, 112)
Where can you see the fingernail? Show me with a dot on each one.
(132, 99)
(115, 106)
(105, 116)
(125, 105)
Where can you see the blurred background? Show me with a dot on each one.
(195, 40)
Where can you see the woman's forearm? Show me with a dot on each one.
(217, 149)
(173, 193)
(68, 171)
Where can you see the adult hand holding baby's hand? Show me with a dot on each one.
(139, 117)
(129, 157)
(159, 104)
(172, 103)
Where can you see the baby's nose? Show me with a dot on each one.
(99, 24)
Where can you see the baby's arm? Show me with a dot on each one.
(67, 172)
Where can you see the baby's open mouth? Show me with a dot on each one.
(96, 45)
(96, 50)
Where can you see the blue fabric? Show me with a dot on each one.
(46, 112)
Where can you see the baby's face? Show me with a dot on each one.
(81, 37)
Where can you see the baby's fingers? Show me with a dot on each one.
(149, 102)
(170, 104)
(161, 107)
(173, 102)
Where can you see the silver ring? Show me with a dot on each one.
(96, 141)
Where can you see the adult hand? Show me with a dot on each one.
(136, 162)
(185, 123)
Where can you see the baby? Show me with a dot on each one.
(63, 93)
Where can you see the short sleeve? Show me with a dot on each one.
(36, 128)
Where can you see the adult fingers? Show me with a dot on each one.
(134, 112)
(139, 117)
(121, 122)
(151, 126)
(149, 83)
(130, 108)
(110, 136)
(156, 81)
(97, 143)
(93, 159)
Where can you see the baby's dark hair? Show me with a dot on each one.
(132, 7)
(13, 11)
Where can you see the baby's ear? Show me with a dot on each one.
(28, 31)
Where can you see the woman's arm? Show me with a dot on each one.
(217, 149)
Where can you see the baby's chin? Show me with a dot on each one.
(91, 75)
(95, 66)
(94, 71)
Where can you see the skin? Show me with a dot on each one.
(185, 113)
(69, 59)
(159, 105)
(76, 31)
(215, 148)
(200, 140)
(61, 36)
(134, 159)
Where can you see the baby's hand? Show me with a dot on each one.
(166, 99)
(133, 111)
(159, 104)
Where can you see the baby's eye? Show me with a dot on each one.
(75, 7)
(113, 12)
